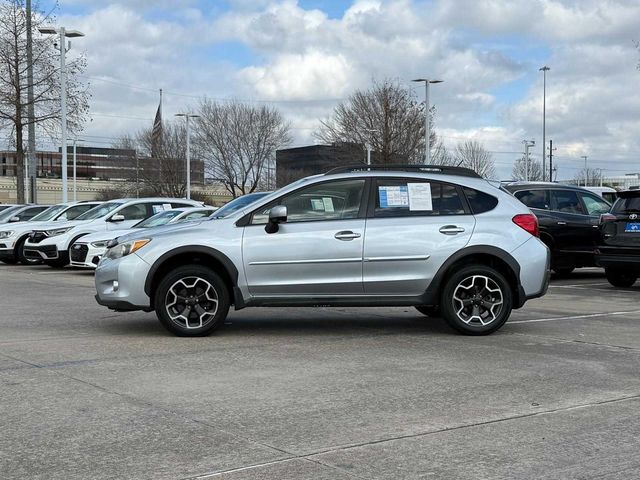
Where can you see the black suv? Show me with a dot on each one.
(619, 248)
(568, 216)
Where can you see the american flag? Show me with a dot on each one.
(156, 132)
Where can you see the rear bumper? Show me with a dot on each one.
(628, 260)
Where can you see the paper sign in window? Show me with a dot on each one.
(317, 204)
(166, 206)
(328, 204)
(157, 208)
(393, 196)
(420, 196)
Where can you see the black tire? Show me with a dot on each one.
(563, 272)
(195, 278)
(60, 262)
(19, 253)
(620, 278)
(469, 285)
(8, 260)
(429, 310)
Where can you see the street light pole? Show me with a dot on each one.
(586, 175)
(427, 122)
(527, 145)
(544, 71)
(64, 34)
(187, 116)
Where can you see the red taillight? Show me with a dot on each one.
(607, 217)
(528, 222)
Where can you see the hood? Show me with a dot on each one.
(106, 235)
(160, 231)
(55, 225)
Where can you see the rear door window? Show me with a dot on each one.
(534, 198)
(566, 201)
(398, 197)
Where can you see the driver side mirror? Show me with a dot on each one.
(14, 219)
(277, 214)
(117, 217)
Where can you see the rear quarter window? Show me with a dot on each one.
(480, 202)
(627, 205)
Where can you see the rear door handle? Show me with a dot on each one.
(346, 235)
(451, 230)
(562, 223)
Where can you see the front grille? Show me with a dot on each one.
(79, 252)
(37, 237)
(2, 245)
(50, 251)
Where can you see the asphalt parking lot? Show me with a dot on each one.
(327, 393)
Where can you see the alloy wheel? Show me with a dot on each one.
(477, 300)
(191, 302)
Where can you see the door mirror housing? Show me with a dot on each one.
(117, 217)
(277, 215)
(14, 219)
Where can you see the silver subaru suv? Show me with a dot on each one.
(441, 239)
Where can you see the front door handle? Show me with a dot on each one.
(451, 230)
(562, 223)
(346, 235)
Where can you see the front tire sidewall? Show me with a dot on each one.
(449, 312)
(19, 249)
(192, 271)
(620, 278)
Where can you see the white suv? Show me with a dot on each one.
(13, 235)
(441, 239)
(51, 244)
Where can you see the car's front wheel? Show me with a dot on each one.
(192, 301)
(19, 249)
(620, 278)
(476, 300)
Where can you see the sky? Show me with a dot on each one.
(305, 56)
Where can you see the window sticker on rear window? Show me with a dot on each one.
(393, 196)
(420, 196)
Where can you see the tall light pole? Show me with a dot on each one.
(527, 144)
(586, 174)
(187, 116)
(370, 130)
(75, 190)
(64, 48)
(427, 123)
(544, 71)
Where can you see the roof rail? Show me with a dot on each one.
(442, 169)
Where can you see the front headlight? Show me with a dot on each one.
(58, 231)
(101, 244)
(6, 234)
(126, 248)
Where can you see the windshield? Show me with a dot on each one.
(99, 211)
(50, 212)
(238, 204)
(627, 205)
(4, 207)
(161, 218)
(9, 212)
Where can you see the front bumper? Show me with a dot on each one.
(85, 255)
(42, 252)
(120, 283)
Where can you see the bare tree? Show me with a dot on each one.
(163, 174)
(471, 154)
(519, 171)
(388, 117)
(14, 83)
(239, 142)
(588, 176)
(441, 156)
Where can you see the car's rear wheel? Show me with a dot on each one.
(19, 249)
(429, 311)
(476, 300)
(192, 301)
(620, 278)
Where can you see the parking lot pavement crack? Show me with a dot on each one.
(580, 342)
(476, 424)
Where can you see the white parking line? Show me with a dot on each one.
(579, 285)
(576, 317)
